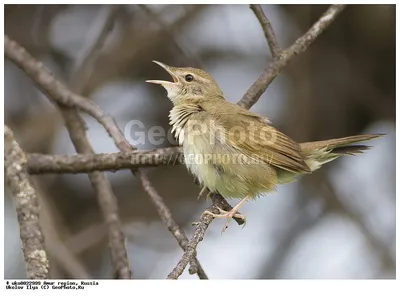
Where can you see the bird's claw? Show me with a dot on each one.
(226, 214)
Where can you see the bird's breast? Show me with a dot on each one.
(199, 151)
(196, 133)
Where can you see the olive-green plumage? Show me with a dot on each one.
(236, 152)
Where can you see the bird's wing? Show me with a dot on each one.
(250, 134)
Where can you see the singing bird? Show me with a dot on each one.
(233, 151)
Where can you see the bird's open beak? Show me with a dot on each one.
(168, 69)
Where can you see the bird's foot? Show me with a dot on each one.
(226, 214)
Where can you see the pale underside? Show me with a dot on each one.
(228, 166)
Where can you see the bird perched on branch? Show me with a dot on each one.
(236, 152)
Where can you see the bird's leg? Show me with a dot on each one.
(233, 212)
(229, 214)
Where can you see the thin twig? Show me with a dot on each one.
(83, 66)
(198, 236)
(27, 207)
(300, 46)
(267, 28)
(81, 73)
(58, 92)
(165, 28)
(118, 60)
(106, 198)
(172, 226)
(190, 251)
(77, 131)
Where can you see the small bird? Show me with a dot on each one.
(233, 151)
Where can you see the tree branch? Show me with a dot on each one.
(85, 163)
(198, 236)
(106, 198)
(172, 226)
(27, 207)
(267, 28)
(165, 27)
(55, 90)
(300, 46)
(83, 66)
(60, 94)
(190, 251)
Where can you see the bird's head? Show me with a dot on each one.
(188, 83)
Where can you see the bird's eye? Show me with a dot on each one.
(189, 77)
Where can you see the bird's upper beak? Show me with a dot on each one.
(169, 70)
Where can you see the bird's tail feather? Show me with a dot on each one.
(321, 152)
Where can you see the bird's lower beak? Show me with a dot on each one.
(168, 69)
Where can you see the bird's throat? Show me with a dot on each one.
(178, 118)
